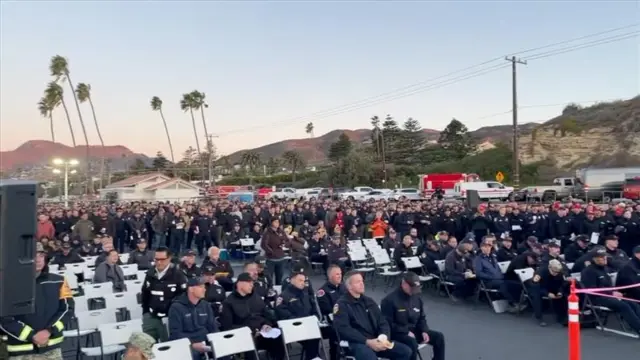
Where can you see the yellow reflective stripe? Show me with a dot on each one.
(55, 341)
(59, 325)
(18, 348)
(24, 334)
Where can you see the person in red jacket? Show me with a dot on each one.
(45, 227)
(379, 226)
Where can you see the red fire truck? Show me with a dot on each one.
(430, 182)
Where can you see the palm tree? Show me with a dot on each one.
(295, 162)
(46, 105)
(55, 94)
(156, 105)
(59, 68)
(187, 103)
(250, 159)
(200, 104)
(309, 129)
(84, 94)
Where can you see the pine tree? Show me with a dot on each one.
(411, 142)
(160, 162)
(456, 139)
(341, 148)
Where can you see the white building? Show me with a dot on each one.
(151, 187)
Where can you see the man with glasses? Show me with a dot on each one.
(162, 283)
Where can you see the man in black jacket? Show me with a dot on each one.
(243, 307)
(404, 312)
(358, 320)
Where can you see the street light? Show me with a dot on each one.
(65, 164)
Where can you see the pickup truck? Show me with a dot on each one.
(285, 193)
(357, 193)
(562, 188)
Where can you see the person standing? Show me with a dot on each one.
(273, 241)
(38, 336)
(162, 284)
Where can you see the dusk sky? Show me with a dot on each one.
(269, 67)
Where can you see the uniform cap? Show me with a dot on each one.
(636, 250)
(600, 253)
(196, 281)
(66, 245)
(208, 270)
(413, 280)
(190, 253)
(244, 277)
(143, 342)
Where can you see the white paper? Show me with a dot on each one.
(271, 334)
(516, 228)
(594, 237)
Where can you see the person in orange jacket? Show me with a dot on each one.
(378, 226)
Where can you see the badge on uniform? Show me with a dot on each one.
(335, 309)
(278, 300)
(536, 278)
(320, 293)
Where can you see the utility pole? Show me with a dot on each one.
(210, 156)
(516, 157)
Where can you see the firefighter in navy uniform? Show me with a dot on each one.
(38, 336)
(162, 284)
(326, 297)
(215, 293)
(404, 312)
(296, 302)
(358, 320)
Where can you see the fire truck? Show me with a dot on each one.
(429, 183)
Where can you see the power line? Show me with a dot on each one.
(604, 41)
(427, 86)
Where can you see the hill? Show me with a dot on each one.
(41, 152)
(315, 150)
(603, 135)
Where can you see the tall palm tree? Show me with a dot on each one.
(187, 103)
(83, 91)
(156, 105)
(59, 68)
(295, 162)
(46, 105)
(55, 94)
(309, 129)
(200, 104)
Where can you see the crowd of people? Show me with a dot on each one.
(556, 240)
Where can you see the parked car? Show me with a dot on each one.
(375, 195)
(406, 194)
(356, 193)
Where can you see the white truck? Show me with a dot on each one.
(284, 193)
(357, 193)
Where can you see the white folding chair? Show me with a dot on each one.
(88, 321)
(172, 350)
(301, 329)
(53, 268)
(80, 304)
(125, 258)
(570, 266)
(129, 269)
(89, 260)
(134, 286)
(112, 336)
(94, 291)
(248, 247)
(77, 268)
(232, 342)
(442, 276)
(141, 274)
(120, 300)
(88, 275)
(504, 265)
(413, 262)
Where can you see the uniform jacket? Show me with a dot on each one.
(48, 315)
(404, 313)
(191, 321)
(357, 320)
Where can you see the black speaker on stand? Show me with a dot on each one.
(473, 199)
(18, 201)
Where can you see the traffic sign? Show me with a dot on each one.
(499, 176)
